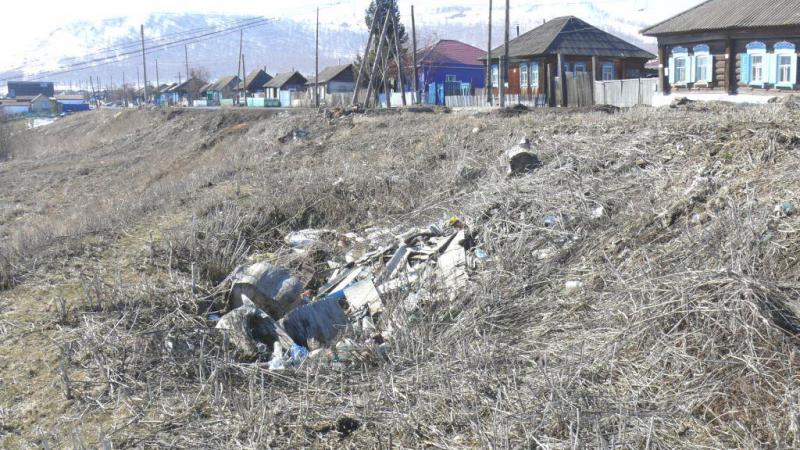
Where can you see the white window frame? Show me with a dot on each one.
(703, 60)
(495, 75)
(451, 78)
(524, 75)
(758, 68)
(607, 75)
(784, 69)
(580, 67)
(534, 74)
(785, 50)
(684, 79)
(758, 50)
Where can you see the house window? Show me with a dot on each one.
(680, 69)
(450, 78)
(608, 71)
(566, 68)
(523, 75)
(757, 69)
(535, 74)
(703, 68)
(495, 76)
(785, 69)
(580, 67)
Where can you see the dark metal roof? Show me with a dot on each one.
(255, 80)
(283, 78)
(570, 36)
(725, 14)
(329, 73)
(224, 83)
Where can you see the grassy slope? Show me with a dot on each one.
(681, 335)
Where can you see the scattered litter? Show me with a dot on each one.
(521, 160)
(303, 239)
(252, 331)
(551, 220)
(287, 323)
(788, 208)
(476, 130)
(598, 212)
(573, 285)
(270, 288)
(294, 135)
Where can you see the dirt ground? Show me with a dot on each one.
(641, 289)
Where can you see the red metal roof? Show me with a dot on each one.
(448, 52)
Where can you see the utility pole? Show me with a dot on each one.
(316, 61)
(124, 91)
(364, 59)
(188, 87)
(241, 43)
(144, 65)
(158, 81)
(416, 98)
(489, 60)
(91, 83)
(399, 60)
(505, 58)
(378, 52)
(244, 81)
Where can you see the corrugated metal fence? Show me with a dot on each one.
(625, 93)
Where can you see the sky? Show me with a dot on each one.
(20, 36)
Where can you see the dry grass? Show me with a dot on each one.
(684, 334)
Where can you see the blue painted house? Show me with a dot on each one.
(450, 67)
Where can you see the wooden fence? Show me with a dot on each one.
(480, 101)
(625, 93)
(578, 89)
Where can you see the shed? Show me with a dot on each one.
(730, 46)
(42, 104)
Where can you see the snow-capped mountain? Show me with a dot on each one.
(286, 40)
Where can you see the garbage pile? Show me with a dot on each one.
(274, 317)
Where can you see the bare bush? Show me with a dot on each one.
(5, 138)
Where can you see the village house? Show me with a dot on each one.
(29, 89)
(42, 104)
(254, 82)
(282, 86)
(730, 47)
(12, 107)
(68, 103)
(449, 67)
(335, 80)
(565, 44)
(223, 89)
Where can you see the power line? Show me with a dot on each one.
(123, 50)
(99, 62)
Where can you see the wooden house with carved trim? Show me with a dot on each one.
(730, 46)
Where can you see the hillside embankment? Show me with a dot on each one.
(639, 289)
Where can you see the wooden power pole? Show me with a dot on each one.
(364, 59)
(504, 65)
(244, 81)
(144, 65)
(188, 85)
(489, 60)
(238, 69)
(316, 63)
(378, 52)
(399, 60)
(416, 98)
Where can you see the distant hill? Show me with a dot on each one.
(279, 45)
